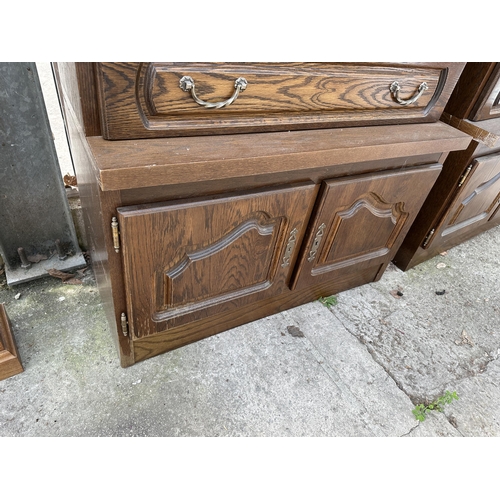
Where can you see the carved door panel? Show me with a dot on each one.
(478, 200)
(187, 260)
(360, 222)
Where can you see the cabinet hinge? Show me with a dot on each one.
(464, 176)
(124, 323)
(428, 237)
(116, 234)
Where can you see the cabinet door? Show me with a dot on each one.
(184, 261)
(478, 199)
(360, 223)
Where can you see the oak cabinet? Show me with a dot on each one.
(10, 363)
(232, 218)
(487, 105)
(464, 201)
(186, 260)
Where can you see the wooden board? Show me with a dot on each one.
(144, 100)
(10, 364)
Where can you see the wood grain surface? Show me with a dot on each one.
(189, 259)
(364, 220)
(143, 100)
(149, 162)
(10, 363)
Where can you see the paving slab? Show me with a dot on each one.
(356, 369)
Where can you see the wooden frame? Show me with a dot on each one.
(10, 364)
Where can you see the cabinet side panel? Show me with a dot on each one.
(98, 209)
(76, 86)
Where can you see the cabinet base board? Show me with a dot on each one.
(148, 347)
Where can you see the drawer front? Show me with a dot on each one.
(488, 104)
(174, 99)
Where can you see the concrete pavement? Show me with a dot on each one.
(355, 369)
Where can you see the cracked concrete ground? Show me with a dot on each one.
(355, 369)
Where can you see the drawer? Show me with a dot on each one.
(146, 100)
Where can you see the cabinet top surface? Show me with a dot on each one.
(150, 162)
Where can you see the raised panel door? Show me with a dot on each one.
(360, 222)
(187, 260)
(478, 199)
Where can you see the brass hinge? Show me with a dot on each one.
(116, 234)
(464, 176)
(428, 237)
(124, 323)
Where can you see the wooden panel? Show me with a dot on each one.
(162, 193)
(478, 198)
(360, 222)
(466, 94)
(77, 89)
(10, 364)
(141, 100)
(152, 162)
(488, 104)
(187, 260)
(97, 213)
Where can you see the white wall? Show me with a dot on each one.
(55, 117)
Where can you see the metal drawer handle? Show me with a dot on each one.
(186, 83)
(290, 247)
(316, 242)
(395, 88)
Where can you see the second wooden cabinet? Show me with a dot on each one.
(464, 201)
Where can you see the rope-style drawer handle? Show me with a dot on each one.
(395, 88)
(186, 83)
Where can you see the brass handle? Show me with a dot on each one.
(316, 242)
(395, 88)
(186, 83)
(290, 247)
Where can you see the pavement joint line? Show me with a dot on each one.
(370, 351)
(343, 388)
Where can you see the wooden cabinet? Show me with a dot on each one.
(194, 235)
(464, 200)
(172, 99)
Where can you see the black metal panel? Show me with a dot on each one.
(34, 210)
